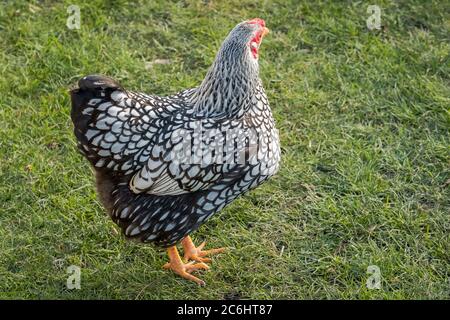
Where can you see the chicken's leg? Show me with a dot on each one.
(196, 253)
(183, 269)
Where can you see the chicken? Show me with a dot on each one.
(165, 165)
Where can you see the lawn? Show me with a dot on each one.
(364, 124)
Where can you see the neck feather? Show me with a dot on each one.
(228, 85)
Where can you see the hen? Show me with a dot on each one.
(165, 165)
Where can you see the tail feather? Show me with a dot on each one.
(90, 88)
(95, 82)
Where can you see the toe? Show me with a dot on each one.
(191, 267)
(201, 259)
(193, 278)
(201, 246)
(196, 257)
(211, 251)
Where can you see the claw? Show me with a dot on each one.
(184, 269)
(191, 252)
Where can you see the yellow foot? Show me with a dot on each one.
(184, 269)
(191, 252)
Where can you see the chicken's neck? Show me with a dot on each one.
(226, 90)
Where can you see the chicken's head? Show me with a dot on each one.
(260, 30)
(247, 36)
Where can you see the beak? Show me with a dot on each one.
(265, 31)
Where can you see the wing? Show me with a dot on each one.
(155, 138)
(194, 154)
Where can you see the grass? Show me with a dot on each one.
(364, 123)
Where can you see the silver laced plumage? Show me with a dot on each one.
(223, 129)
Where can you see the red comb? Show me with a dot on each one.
(259, 21)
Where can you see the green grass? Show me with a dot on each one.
(364, 123)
